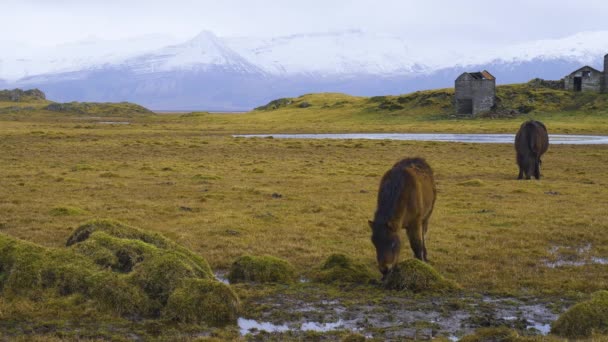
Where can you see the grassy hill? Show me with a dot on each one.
(523, 98)
(421, 111)
(34, 101)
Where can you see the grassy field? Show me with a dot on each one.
(185, 177)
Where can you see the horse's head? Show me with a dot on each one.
(388, 245)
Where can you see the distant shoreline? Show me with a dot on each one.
(168, 111)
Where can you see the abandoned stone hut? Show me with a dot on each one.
(588, 79)
(475, 92)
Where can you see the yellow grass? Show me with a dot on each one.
(188, 179)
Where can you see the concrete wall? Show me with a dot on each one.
(482, 93)
(593, 82)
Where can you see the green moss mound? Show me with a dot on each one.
(121, 270)
(261, 269)
(584, 319)
(28, 270)
(338, 268)
(500, 334)
(417, 276)
(202, 300)
(99, 108)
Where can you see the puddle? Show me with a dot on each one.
(321, 327)
(399, 318)
(251, 326)
(573, 256)
(221, 276)
(468, 138)
(544, 329)
(247, 326)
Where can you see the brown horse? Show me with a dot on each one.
(531, 142)
(405, 200)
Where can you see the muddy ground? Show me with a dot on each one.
(393, 315)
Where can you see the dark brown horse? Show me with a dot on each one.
(531, 142)
(405, 200)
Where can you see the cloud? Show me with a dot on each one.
(484, 22)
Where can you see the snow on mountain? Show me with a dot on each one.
(583, 47)
(19, 60)
(203, 52)
(212, 73)
(346, 52)
(330, 54)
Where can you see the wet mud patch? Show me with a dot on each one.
(564, 256)
(391, 315)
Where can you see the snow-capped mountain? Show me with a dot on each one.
(205, 51)
(210, 72)
(337, 53)
(20, 60)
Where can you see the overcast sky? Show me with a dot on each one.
(494, 22)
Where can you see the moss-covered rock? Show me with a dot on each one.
(417, 276)
(261, 269)
(202, 300)
(27, 269)
(584, 319)
(121, 247)
(500, 334)
(119, 269)
(338, 268)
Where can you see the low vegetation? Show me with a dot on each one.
(584, 319)
(417, 276)
(204, 198)
(261, 269)
(339, 268)
(98, 108)
(120, 270)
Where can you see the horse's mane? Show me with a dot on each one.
(391, 188)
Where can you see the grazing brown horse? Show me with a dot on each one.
(531, 142)
(405, 200)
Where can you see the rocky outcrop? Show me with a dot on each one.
(19, 95)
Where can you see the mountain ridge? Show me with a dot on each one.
(208, 72)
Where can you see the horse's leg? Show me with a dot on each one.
(537, 169)
(425, 228)
(414, 233)
(521, 173)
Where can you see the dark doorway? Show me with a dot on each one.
(464, 106)
(578, 83)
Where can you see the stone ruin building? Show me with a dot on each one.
(475, 92)
(588, 79)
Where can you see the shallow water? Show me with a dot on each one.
(580, 257)
(250, 326)
(223, 277)
(399, 318)
(247, 326)
(468, 138)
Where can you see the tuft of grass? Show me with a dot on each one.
(502, 334)
(202, 300)
(417, 276)
(66, 211)
(472, 182)
(584, 319)
(339, 268)
(261, 269)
